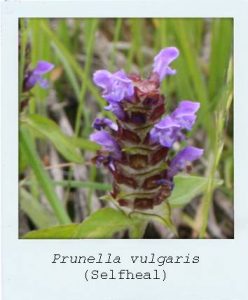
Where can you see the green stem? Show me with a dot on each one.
(218, 144)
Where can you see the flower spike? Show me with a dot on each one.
(137, 148)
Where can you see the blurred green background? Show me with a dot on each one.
(58, 183)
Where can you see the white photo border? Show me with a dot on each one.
(27, 269)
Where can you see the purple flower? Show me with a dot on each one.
(162, 61)
(166, 132)
(116, 87)
(184, 114)
(101, 123)
(36, 75)
(136, 149)
(179, 162)
(107, 142)
(169, 129)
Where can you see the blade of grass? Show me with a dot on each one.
(63, 32)
(43, 178)
(117, 32)
(91, 28)
(69, 71)
(190, 56)
(92, 177)
(84, 184)
(221, 47)
(215, 156)
(135, 46)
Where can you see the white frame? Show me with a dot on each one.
(27, 269)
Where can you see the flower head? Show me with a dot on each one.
(136, 149)
(36, 75)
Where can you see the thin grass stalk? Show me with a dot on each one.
(43, 178)
(89, 54)
(117, 34)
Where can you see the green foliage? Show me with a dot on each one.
(102, 224)
(50, 130)
(188, 187)
(57, 232)
(40, 216)
(43, 178)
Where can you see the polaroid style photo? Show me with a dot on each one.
(118, 135)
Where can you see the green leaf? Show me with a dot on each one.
(49, 129)
(160, 213)
(103, 224)
(57, 232)
(40, 216)
(137, 231)
(188, 187)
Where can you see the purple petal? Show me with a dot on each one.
(108, 143)
(30, 80)
(116, 109)
(166, 123)
(116, 86)
(162, 61)
(102, 78)
(166, 132)
(169, 129)
(179, 162)
(43, 67)
(43, 83)
(101, 123)
(184, 114)
(35, 76)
